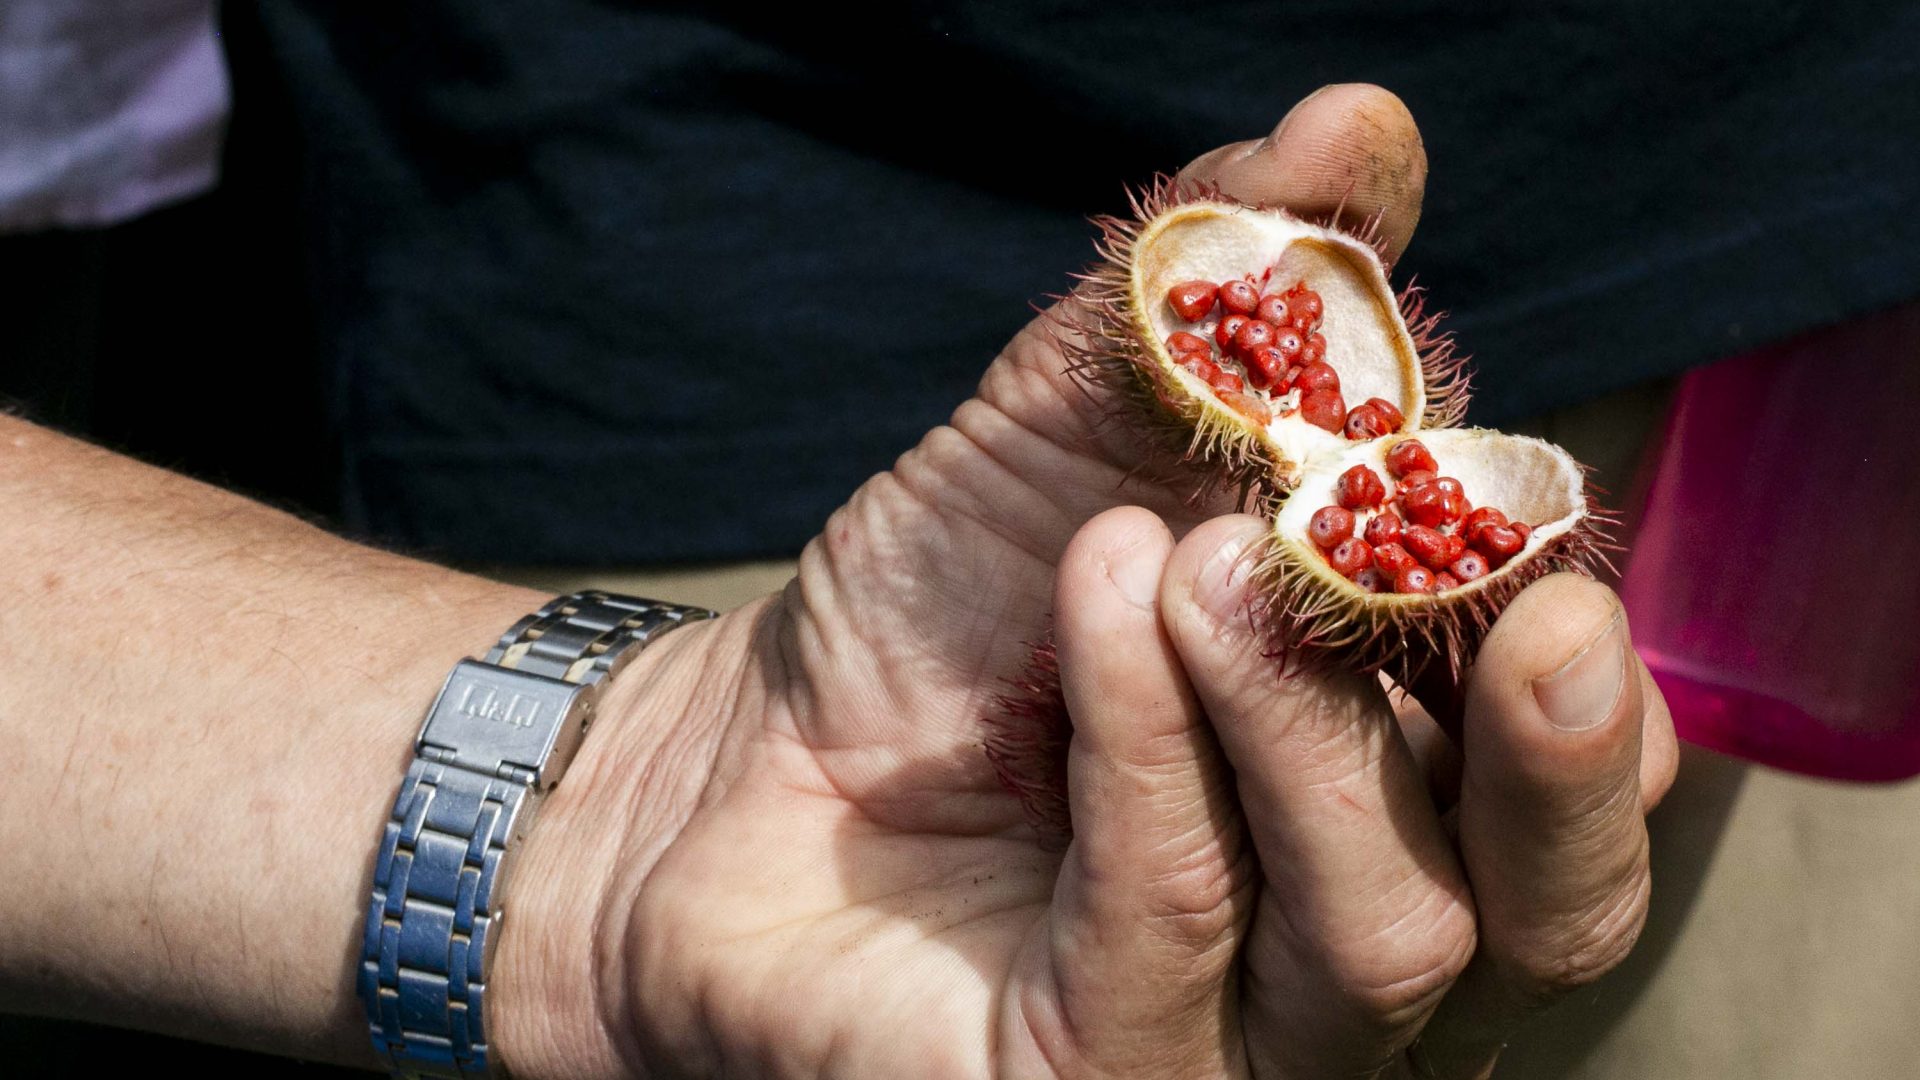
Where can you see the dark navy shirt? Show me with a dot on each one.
(598, 282)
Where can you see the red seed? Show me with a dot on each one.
(1330, 525)
(1324, 409)
(1372, 580)
(1470, 566)
(1392, 558)
(1266, 369)
(1192, 300)
(1409, 456)
(1248, 406)
(1239, 297)
(1366, 422)
(1319, 376)
(1315, 349)
(1414, 579)
(1427, 545)
(1443, 581)
(1201, 365)
(1226, 382)
(1525, 530)
(1410, 481)
(1479, 518)
(1498, 543)
(1448, 483)
(1252, 335)
(1273, 308)
(1304, 309)
(1359, 488)
(1229, 326)
(1350, 556)
(1288, 341)
(1183, 342)
(1383, 528)
(1395, 418)
(1430, 505)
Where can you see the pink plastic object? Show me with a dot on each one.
(1774, 582)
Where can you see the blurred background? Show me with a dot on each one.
(637, 294)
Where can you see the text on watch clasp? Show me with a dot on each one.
(501, 722)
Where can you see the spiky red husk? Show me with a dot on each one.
(1027, 735)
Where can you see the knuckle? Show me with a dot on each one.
(1201, 900)
(1169, 758)
(1586, 949)
(1397, 979)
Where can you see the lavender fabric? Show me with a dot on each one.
(107, 109)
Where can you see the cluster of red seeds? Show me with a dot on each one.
(1270, 344)
(1425, 539)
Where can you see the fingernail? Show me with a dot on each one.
(1135, 574)
(1221, 589)
(1582, 692)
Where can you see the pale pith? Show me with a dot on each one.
(1526, 478)
(1368, 344)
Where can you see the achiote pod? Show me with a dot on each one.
(1273, 354)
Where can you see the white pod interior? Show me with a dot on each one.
(1367, 341)
(1528, 479)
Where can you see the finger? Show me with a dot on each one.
(1364, 917)
(1351, 147)
(1154, 892)
(1552, 820)
(1436, 746)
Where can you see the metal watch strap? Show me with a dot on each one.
(500, 734)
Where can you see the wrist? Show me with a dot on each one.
(190, 852)
(559, 1000)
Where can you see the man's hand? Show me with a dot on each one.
(783, 852)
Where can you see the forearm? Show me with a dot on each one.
(208, 705)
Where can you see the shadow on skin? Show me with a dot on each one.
(1686, 830)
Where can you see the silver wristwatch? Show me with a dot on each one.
(501, 733)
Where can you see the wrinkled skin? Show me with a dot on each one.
(782, 851)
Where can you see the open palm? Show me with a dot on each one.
(827, 879)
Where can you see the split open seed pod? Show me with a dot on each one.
(1530, 514)
(1274, 352)
(1382, 345)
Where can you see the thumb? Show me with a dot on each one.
(1349, 147)
(1552, 826)
(1153, 894)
